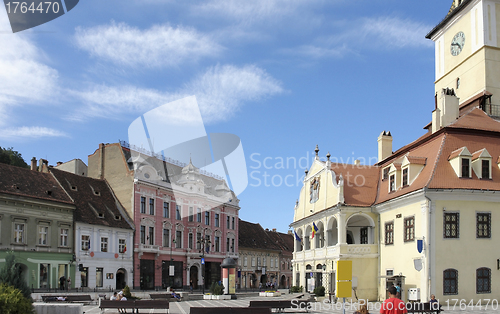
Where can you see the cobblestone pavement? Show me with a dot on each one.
(317, 307)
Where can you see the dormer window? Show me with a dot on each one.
(460, 160)
(485, 169)
(465, 167)
(386, 173)
(481, 164)
(394, 176)
(405, 176)
(392, 183)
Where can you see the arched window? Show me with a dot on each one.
(483, 280)
(450, 281)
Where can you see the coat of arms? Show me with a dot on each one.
(314, 190)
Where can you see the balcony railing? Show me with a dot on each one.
(491, 109)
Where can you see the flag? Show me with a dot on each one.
(297, 237)
(125, 248)
(314, 230)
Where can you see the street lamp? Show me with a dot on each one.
(204, 243)
(170, 272)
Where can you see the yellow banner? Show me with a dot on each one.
(232, 284)
(344, 270)
(343, 289)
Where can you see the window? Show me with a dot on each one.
(392, 183)
(166, 237)
(245, 261)
(485, 169)
(98, 277)
(228, 222)
(64, 237)
(190, 241)
(143, 235)
(43, 232)
(409, 229)
(151, 206)
(233, 224)
(483, 280)
(386, 173)
(207, 218)
(389, 232)
(104, 244)
(166, 210)
(207, 243)
(363, 236)
(227, 245)
(253, 261)
(198, 215)
(465, 167)
(217, 244)
(85, 242)
(216, 220)
(122, 246)
(143, 205)
(483, 225)
(450, 281)
(19, 233)
(151, 236)
(191, 218)
(405, 176)
(272, 263)
(232, 245)
(178, 239)
(178, 212)
(198, 241)
(451, 225)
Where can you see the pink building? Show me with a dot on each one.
(186, 221)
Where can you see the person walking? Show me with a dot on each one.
(393, 305)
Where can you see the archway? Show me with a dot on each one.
(193, 276)
(121, 278)
(253, 280)
(283, 282)
(360, 227)
(332, 232)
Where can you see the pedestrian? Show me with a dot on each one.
(393, 305)
(69, 283)
(398, 291)
(191, 285)
(62, 280)
(362, 310)
(114, 297)
(433, 303)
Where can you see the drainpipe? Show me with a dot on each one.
(429, 228)
(379, 255)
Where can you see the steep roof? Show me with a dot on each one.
(360, 183)
(253, 236)
(456, 7)
(283, 240)
(28, 183)
(94, 200)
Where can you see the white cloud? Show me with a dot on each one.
(160, 45)
(30, 132)
(24, 77)
(220, 92)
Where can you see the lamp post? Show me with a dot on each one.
(204, 243)
(170, 272)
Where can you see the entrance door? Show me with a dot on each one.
(193, 276)
(120, 279)
(147, 278)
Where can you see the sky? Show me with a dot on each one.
(283, 75)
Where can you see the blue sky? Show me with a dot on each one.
(283, 75)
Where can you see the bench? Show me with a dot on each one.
(281, 304)
(230, 310)
(69, 298)
(424, 308)
(134, 305)
(155, 296)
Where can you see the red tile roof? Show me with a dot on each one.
(253, 236)
(360, 183)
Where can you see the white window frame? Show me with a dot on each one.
(63, 237)
(85, 242)
(19, 232)
(104, 244)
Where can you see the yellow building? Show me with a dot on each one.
(423, 216)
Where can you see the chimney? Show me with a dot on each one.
(33, 164)
(101, 160)
(59, 163)
(43, 165)
(447, 110)
(274, 229)
(384, 145)
(356, 162)
(290, 232)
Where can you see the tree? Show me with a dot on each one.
(10, 275)
(12, 301)
(11, 157)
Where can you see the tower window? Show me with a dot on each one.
(458, 82)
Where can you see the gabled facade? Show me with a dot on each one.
(193, 229)
(285, 242)
(103, 233)
(36, 224)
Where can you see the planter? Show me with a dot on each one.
(207, 297)
(270, 294)
(221, 297)
(262, 294)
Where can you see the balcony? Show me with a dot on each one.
(146, 248)
(335, 252)
(491, 110)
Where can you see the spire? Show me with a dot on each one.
(317, 150)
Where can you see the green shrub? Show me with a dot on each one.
(10, 275)
(12, 301)
(126, 292)
(295, 289)
(216, 289)
(319, 291)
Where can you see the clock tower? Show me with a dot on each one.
(467, 49)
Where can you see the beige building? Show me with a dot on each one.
(424, 216)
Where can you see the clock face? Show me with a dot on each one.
(457, 44)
